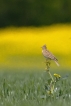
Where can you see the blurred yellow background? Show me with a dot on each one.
(21, 47)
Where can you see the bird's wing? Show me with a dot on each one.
(50, 55)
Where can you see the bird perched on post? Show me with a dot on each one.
(48, 55)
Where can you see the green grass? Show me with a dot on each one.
(29, 89)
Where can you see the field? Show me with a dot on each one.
(23, 79)
(29, 89)
(21, 47)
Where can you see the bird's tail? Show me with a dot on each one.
(57, 63)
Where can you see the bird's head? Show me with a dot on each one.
(44, 47)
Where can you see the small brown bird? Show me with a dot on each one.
(48, 55)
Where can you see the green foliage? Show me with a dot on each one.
(30, 89)
(34, 12)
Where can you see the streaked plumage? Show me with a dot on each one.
(48, 55)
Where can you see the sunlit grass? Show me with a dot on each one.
(19, 46)
(30, 89)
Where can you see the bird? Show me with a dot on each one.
(48, 55)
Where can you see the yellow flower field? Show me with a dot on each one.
(21, 47)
